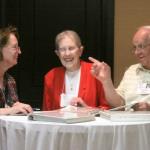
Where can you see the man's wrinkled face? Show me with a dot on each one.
(141, 48)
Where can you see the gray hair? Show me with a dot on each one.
(147, 29)
(67, 33)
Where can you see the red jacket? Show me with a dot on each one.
(90, 89)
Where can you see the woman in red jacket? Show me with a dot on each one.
(71, 84)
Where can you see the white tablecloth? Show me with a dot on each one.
(18, 133)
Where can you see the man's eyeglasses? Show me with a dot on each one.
(140, 47)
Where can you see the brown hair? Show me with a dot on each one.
(4, 37)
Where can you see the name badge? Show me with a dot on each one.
(143, 88)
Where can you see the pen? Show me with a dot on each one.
(131, 104)
(124, 106)
(36, 109)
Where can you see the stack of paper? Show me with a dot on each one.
(64, 115)
(90, 110)
(126, 115)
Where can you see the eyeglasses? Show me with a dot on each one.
(140, 47)
(64, 49)
(16, 47)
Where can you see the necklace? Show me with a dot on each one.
(72, 81)
(71, 86)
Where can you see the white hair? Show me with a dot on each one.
(147, 27)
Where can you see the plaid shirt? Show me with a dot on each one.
(8, 95)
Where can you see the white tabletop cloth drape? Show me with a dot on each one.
(18, 133)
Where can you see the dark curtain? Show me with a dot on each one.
(38, 23)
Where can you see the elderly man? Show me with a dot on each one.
(134, 89)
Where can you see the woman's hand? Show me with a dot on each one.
(20, 108)
(78, 102)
